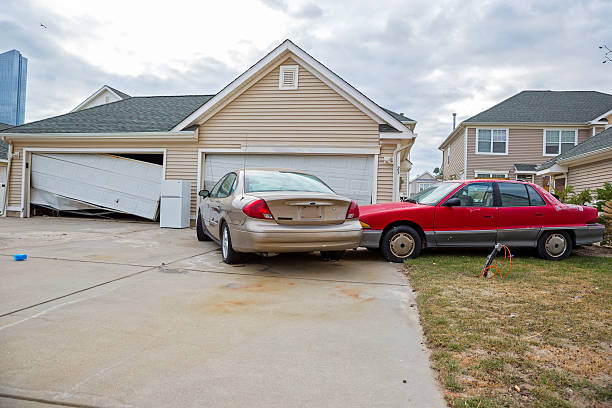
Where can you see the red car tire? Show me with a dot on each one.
(400, 243)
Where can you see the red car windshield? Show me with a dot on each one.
(434, 194)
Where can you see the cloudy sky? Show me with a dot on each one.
(424, 58)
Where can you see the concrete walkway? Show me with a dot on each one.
(123, 314)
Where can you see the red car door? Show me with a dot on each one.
(473, 223)
(522, 214)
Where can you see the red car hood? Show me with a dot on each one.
(378, 208)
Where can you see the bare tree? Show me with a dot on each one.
(607, 53)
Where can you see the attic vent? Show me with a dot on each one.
(288, 78)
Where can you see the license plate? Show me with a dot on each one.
(310, 212)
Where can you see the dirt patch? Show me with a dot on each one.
(594, 250)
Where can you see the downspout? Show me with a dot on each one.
(8, 178)
(396, 170)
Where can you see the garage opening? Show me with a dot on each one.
(349, 176)
(107, 185)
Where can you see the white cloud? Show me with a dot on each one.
(426, 59)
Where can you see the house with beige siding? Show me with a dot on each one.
(421, 182)
(586, 166)
(288, 110)
(511, 139)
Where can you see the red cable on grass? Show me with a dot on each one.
(507, 255)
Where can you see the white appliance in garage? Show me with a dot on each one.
(175, 204)
(349, 176)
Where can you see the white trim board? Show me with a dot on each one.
(27, 151)
(316, 68)
(177, 136)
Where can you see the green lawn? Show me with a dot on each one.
(541, 337)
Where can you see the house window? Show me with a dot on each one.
(525, 177)
(288, 78)
(559, 141)
(485, 174)
(492, 141)
(424, 186)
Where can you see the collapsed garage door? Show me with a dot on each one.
(76, 182)
(349, 176)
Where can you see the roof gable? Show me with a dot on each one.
(547, 107)
(117, 94)
(269, 62)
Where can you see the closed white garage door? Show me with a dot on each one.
(349, 176)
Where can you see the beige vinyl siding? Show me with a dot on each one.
(454, 169)
(525, 146)
(312, 115)
(599, 129)
(591, 175)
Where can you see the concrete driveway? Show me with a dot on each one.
(122, 314)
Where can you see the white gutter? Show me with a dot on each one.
(8, 179)
(178, 136)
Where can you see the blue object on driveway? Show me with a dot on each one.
(20, 257)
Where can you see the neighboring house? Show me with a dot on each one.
(513, 137)
(287, 110)
(586, 166)
(3, 166)
(13, 80)
(104, 95)
(421, 183)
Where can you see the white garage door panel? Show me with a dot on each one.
(349, 176)
(112, 182)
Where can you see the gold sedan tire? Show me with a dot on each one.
(228, 254)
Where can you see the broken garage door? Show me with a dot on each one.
(71, 181)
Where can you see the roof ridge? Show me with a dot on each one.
(494, 106)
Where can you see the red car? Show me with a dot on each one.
(479, 213)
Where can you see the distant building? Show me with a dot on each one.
(13, 76)
(421, 182)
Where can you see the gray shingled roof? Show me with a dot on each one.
(3, 145)
(398, 116)
(600, 141)
(525, 167)
(135, 114)
(547, 107)
(122, 95)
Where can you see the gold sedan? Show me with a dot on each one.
(268, 211)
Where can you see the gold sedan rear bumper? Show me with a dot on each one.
(267, 236)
